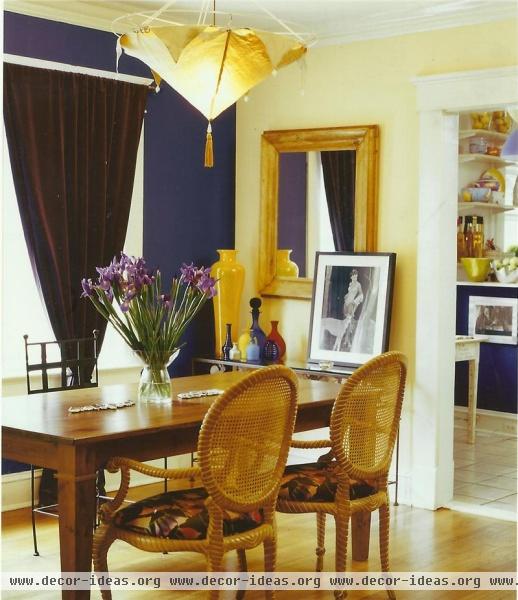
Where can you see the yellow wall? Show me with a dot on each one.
(359, 83)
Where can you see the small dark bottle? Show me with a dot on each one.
(227, 346)
(271, 351)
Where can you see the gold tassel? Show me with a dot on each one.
(209, 153)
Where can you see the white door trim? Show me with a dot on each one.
(439, 99)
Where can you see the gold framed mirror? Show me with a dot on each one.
(364, 140)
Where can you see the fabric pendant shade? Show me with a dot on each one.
(211, 67)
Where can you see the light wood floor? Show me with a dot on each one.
(421, 540)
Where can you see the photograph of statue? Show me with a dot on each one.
(350, 306)
(349, 309)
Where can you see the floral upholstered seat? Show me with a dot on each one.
(316, 482)
(180, 515)
(349, 482)
(242, 450)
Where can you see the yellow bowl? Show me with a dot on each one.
(476, 268)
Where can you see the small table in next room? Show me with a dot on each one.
(468, 348)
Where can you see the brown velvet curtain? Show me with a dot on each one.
(73, 143)
(339, 171)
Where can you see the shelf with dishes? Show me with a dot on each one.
(484, 205)
(490, 207)
(486, 158)
(491, 135)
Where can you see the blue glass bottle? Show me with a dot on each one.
(255, 330)
(253, 353)
(271, 351)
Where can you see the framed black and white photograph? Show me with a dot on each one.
(351, 306)
(493, 318)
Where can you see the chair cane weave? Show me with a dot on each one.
(363, 430)
(242, 451)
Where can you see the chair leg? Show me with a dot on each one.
(342, 533)
(33, 514)
(243, 568)
(215, 558)
(384, 523)
(103, 539)
(270, 559)
(321, 540)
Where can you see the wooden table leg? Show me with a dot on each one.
(360, 535)
(472, 400)
(76, 497)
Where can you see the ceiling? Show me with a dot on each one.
(325, 21)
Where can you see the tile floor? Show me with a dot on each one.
(486, 472)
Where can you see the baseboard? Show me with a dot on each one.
(488, 421)
(16, 487)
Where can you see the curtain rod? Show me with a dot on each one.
(28, 61)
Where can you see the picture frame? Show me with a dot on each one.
(351, 307)
(495, 319)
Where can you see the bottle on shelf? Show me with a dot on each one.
(235, 352)
(468, 236)
(255, 330)
(478, 237)
(227, 346)
(461, 246)
(253, 352)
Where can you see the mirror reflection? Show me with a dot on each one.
(316, 207)
(328, 184)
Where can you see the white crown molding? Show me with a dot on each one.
(100, 15)
(467, 90)
(495, 13)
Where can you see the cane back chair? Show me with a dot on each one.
(242, 451)
(352, 477)
(51, 366)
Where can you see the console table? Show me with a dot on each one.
(301, 368)
(308, 370)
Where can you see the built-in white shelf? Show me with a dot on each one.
(488, 206)
(489, 284)
(486, 133)
(486, 158)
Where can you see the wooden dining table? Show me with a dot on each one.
(39, 429)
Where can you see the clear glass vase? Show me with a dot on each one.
(155, 382)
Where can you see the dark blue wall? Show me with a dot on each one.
(292, 206)
(498, 367)
(188, 210)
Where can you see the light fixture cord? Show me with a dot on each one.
(281, 23)
(157, 13)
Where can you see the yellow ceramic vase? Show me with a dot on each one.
(285, 267)
(230, 276)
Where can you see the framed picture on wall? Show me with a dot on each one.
(351, 306)
(494, 318)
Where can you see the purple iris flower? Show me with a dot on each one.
(87, 288)
(188, 273)
(207, 285)
(199, 278)
(165, 299)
